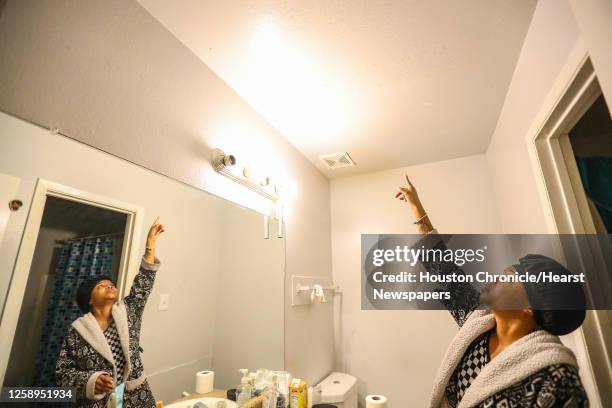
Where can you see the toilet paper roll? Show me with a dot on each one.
(204, 382)
(376, 401)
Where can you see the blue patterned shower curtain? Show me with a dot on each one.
(79, 260)
(596, 175)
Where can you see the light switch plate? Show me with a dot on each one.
(303, 298)
(164, 301)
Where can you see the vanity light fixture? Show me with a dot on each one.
(222, 162)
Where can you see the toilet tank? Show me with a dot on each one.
(339, 389)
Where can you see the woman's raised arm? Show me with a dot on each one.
(409, 195)
(154, 232)
(464, 297)
(143, 282)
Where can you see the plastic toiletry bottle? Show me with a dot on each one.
(282, 401)
(260, 381)
(271, 393)
(244, 392)
(298, 393)
(284, 381)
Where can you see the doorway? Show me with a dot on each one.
(591, 145)
(570, 148)
(70, 236)
(75, 241)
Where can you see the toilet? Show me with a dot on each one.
(339, 389)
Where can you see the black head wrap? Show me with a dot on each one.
(83, 294)
(558, 308)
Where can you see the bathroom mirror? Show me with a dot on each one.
(218, 297)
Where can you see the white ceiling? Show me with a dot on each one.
(394, 83)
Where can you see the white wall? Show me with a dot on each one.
(396, 353)
(545, 65)
(551, 38)
(109, 74)
(593, 17)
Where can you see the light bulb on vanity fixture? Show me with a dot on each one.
(221, 160)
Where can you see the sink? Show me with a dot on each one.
(210, 402)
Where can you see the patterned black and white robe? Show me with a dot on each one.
(536, 372)
(85, 353)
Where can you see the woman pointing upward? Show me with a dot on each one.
(100, 355)
(507, 355)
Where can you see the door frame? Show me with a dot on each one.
(563, 199)
(17, 287)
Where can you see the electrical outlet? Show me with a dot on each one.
(164, 301)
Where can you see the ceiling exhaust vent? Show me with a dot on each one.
(337, 160)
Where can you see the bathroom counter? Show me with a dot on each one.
(253, 403)
(212, 394)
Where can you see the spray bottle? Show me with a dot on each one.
(244, 392)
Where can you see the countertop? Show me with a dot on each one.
(253, 403)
